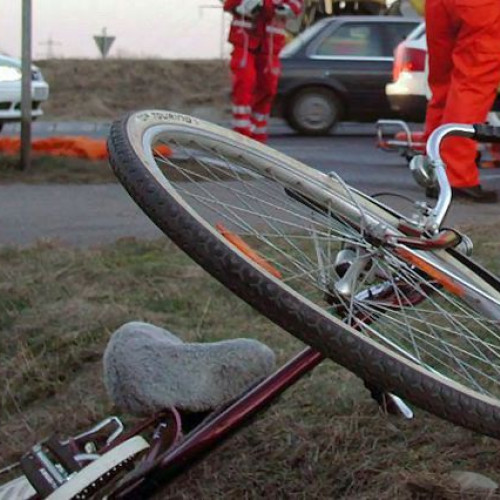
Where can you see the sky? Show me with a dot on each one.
(171, 29)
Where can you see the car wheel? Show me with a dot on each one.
(313, 111)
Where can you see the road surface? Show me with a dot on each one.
(87, 215)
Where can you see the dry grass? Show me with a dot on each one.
(55, 170)
(84, 89)
(325, 438)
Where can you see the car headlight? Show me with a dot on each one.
(10, 74)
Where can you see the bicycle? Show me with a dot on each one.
(395, 299)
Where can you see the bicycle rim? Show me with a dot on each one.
(285, 238)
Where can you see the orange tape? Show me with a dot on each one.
(243, 247)
(70, 146)
(448, 283)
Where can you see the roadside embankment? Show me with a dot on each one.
(89, 89)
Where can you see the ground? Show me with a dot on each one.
(323, 439)
(58, 305)
(104, 89)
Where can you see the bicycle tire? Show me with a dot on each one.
(132, 159)
(89, 480)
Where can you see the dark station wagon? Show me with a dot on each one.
(337, 70)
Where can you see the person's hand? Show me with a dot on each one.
(284, 11)
(249, 7)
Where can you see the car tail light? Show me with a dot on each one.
(407, 59)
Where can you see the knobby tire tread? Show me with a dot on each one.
(286, 310)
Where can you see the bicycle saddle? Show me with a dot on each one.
(147, 368)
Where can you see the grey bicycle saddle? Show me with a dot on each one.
(147, 368)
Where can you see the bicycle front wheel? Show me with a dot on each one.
(302, 248)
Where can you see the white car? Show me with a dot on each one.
(10, 90)
(409, 91)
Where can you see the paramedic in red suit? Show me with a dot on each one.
(463, 38)
(257, 34)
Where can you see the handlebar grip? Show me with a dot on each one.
(486, 133)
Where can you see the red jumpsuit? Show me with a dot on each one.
(257, 41)
(463, 38)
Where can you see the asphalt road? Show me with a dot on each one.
(87, 215)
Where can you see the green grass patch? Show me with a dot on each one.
(325, 437)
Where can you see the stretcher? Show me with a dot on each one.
(395, 136)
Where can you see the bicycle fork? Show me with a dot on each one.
(353, 266)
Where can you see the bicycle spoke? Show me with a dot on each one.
(384, 297)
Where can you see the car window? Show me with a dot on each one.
(417, 33)
(303, 38)
(396, 33)
(352, 40)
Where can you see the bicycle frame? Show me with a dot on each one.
(160, 467)
(210, 434)
(219, 426)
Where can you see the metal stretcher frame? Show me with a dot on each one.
(407, 147)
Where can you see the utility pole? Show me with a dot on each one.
(50, 43)
(26, 86)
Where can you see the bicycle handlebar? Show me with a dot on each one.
(478, 132)
(486, 133)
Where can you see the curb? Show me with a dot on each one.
(101, 128)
